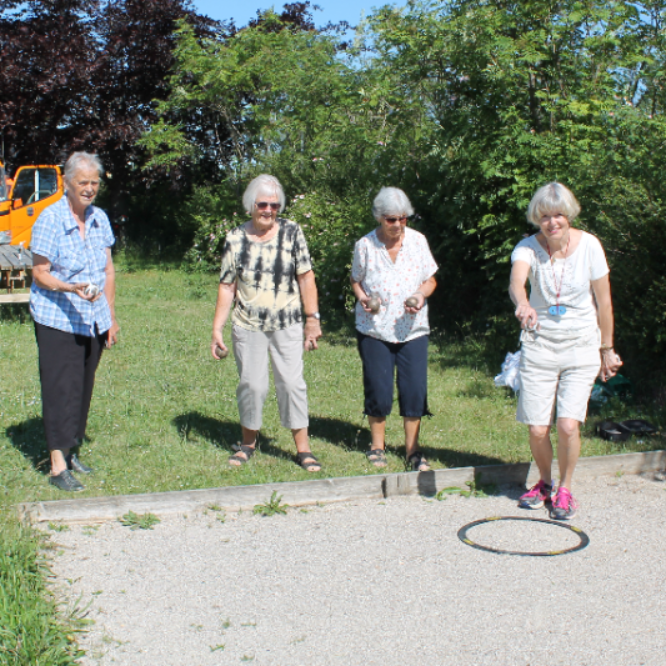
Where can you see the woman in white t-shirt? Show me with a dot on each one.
(567, 337)
(392, 277)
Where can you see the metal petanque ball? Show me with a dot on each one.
(91, 290)
(412, 302)
(221, 353)
(374, 304)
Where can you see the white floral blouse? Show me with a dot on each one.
(392, 283)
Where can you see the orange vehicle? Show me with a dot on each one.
(33, 189)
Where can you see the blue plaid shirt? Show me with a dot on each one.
(56, 237)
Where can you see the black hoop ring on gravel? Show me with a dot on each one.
(584, 539)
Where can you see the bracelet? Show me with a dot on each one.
(606, 348)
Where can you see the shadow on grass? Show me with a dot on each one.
(348, 436)
(222, 434)
(28, 438)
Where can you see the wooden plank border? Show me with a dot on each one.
(342, 489)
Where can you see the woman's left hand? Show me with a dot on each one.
(610, 364)
(112, 334)
(312, 333)
(416, 308)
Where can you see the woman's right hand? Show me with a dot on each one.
(216, 342)
(527, 317)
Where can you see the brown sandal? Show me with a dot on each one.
(242, 455)
(418, 463)
(308, 462)
(377, 457)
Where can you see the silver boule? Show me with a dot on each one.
(374, 304)
(412, 302)
(221, 353)
(91, 290)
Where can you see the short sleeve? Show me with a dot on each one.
(523, 252)
(597, 257)
(43, 241)
(428, 263)
(228, 267)
(358, 262)
(103, 233)
(302, 260)
(107, 234)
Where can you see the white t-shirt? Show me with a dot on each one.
(584, 265)
(393, 283)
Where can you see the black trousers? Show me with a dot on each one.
(67, 366)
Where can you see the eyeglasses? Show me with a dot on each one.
(391, 220)
(262, 205)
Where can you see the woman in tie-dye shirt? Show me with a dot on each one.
(266, 271)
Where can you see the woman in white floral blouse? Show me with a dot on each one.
(392, 277)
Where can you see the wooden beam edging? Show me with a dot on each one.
(15, 298)
(341, 489)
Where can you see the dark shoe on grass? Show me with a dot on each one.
(75, 465)
(66, 481)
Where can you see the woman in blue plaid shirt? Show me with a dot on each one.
(72, 304)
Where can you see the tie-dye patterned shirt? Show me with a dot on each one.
(265, 273)
(393, 283)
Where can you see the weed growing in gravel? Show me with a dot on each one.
(475, 489)
(215, 648)
(144, 521)
(89, 530)
(272, 507)
(58, 527)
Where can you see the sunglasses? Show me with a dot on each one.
(391, 220)
(263, 205)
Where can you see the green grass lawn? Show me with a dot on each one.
(164, 417)
(164, 411)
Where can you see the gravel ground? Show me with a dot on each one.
(374, 582)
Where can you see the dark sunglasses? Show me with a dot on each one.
(262, 205)
(391, 220)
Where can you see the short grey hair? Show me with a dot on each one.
(391, 201)
(80, 160)
(263, 184)
(550, 199)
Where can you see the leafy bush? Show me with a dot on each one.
(331, 226)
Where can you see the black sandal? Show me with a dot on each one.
(418, 463)
(377, 457)
(307, 461)
(242, 455)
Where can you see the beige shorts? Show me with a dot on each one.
(556, 373)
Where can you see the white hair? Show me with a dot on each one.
(391, 201)
(263, 184)
(80, 160)
(550, 199)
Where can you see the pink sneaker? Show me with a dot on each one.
(536, 497)
(564, 505)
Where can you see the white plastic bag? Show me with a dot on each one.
(510, 375)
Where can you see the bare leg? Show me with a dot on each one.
(377, 432)
(58, 462)
(568, 449)
(301, 440)
(542, 451)
(412, 427)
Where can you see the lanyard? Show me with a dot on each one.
(557, 309)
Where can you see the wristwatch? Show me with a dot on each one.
(316, 315)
